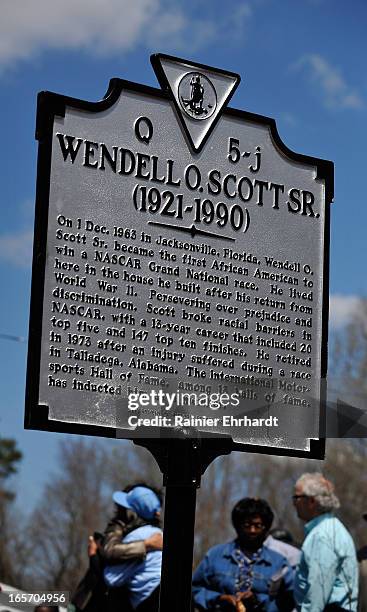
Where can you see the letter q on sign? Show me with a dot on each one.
(143, 128)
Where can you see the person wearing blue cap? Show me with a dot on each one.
(108, 548)
(126, 519)
(141, 508)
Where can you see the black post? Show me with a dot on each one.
(181, 477)
(178, 543)
(182, 462)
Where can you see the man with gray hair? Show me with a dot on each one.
(327, 576)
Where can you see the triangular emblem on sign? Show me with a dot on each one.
(199, 92)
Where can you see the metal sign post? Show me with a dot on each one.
(182, 462)
(180, 281)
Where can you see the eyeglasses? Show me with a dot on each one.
(296, 497)
(256, 526)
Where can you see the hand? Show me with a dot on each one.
(92, 546)
(231, 599)
(155, 542)
(246, 600)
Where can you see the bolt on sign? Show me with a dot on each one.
(180, 268)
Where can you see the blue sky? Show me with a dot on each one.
(301, 62)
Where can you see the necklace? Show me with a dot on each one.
(245, 576)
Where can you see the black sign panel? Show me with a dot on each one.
(180, 270)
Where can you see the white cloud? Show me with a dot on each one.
(343, 308)
(181, 32)
(329, 82)
(109, 27)
(16, 249)
(101, 26)
(238, 19)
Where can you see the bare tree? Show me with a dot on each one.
(76, 501)
(129, 463)
(72, 506)
(219, 490)
(348, 359)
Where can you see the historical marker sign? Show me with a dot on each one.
(180, 248)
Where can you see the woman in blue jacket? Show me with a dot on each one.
(244, 574)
